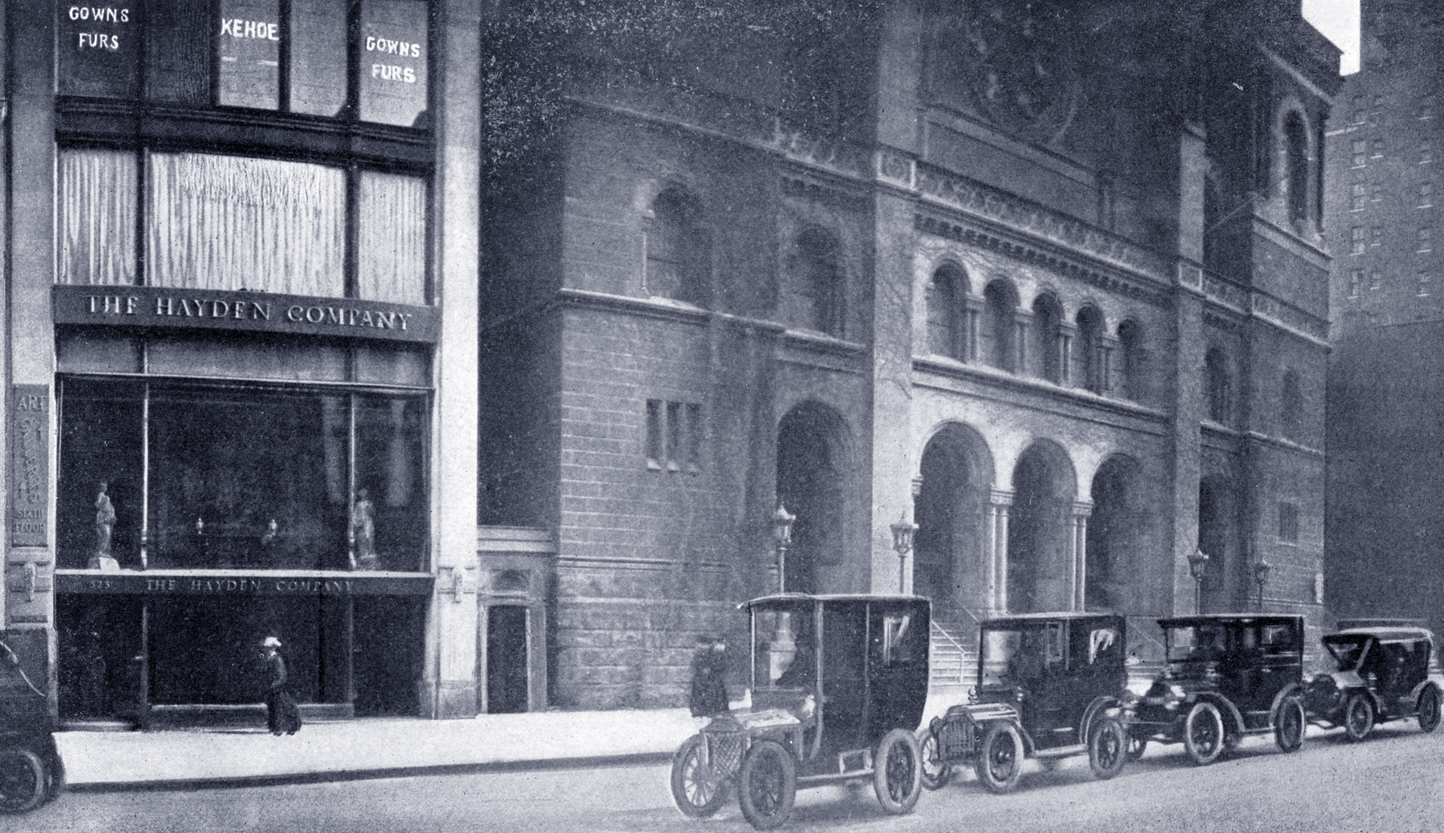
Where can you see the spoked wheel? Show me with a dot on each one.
(1136, 747)
(767, 784)
(936, 774)
(1429, 709)
(1289, 725)
(698, 786)
(1001, 759)
(22, 780)
(1107, 748)
(1358, 716)
(897, 775)
(1203, 733)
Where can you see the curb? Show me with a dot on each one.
(245, 781)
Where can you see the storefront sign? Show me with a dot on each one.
(27, 518)
(143, 306)
(215, 583)
(393, 61)
(98, 46)
(248, 48)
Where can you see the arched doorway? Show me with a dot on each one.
(1115, 530)
(951, 541)
(810, 465)
(1044, 486)
(1217, 511)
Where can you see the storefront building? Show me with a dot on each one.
(241, 295)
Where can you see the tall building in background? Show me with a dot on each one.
(1046, 278)
(1386, 376)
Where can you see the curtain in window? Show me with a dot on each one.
(230, 223)
(97, 217)
(392, 262)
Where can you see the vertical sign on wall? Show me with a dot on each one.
(98, 46)
(28, 519)
(393, 61)
(248, 51)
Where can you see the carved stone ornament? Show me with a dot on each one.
(1020, 65)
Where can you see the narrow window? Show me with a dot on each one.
(1378, 149)
(1426, 194)
(1090, 350)
(1130, 336)
(1425, 278)
(1426, 151)
(946, 314)
(1296, 140)
(1376, 279)
(677, 250)
(1356, 278)
(1291, 406)
(1358, 194)
(999, 308)
(1356, 240)
(656, 449)
(1376, 236)
(1219, 384)
(1426, 239)
(675, 448)
(817, 286)
(694, 438)
(1359, 153)
(1288, 523)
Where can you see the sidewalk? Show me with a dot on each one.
(368, 748)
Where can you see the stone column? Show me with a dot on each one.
(1078, 553)
(997, 550)
(972, 329)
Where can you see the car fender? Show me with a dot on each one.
(1295, 690)
(1028, 748)
(1099, 706)
(1418, 690)
(1232, 717)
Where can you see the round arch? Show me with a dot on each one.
(951, 544)
(813, 458)
(1115, 536)
(1045, 486)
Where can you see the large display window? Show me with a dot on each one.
(198, 476)
(363, 60)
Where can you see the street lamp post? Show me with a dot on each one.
(1196, 564)
(781, 539)
(902, 542)
(1261, 574)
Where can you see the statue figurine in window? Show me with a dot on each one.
(104, 527)
(363, 527)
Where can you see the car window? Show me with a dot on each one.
(784, 650)
(897, 639)
(1098, 645)
(1280, 639)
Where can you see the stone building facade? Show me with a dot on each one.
(1048, 279)
(1385, 371)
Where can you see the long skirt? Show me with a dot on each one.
(282, 714)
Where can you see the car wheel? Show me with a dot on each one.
(1429, 708)
(1136, 747)
(22, 780)
(1289, 725)
(1107, 748)
(936, 774)
(897, 775)
(1001, 759)
(1203, 733)
(768, 785)
(698, 788)
(1358, 716)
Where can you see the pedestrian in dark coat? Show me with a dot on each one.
(282, 715)
(709, 672)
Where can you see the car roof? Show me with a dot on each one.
(1381, 634)
(1064, 615)
(1232, 618)
(834, 597)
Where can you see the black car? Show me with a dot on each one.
(1379, 674)
(1227, 676)
(1050, 685)
(31, 771)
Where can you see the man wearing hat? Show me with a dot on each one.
(281, 712)
(709, 670)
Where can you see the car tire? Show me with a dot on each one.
(1107, 748)
(1203, 733)
(1136, 747)
(698, 789)
(897, 775)
(1358, 716)
(935, 773)
(22, 780)
(1289, 724)
(1000, 758)
(1429, 708)
(767, 785)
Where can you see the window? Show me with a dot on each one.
(1288, 523)
(1130, 337)
(1296, 148)
(1378, 149)
(1357, 195)
(678, 253)
(240, 223)
(1376, 279)
(1361, 109)
(1356, 278)
(1047, 318)
(1378, 193)
(1426, 151)
(1359, 153)
(947, 316)
(999, 308)
(1219, 383)
(253, 477)
(1376, 236)
(815, 302)
(1426, 194)
(290, 56)
(1291, 408)
(1093, 364)
(1356, 240)
(674, 436)
(1425, 279)
(1426, 239)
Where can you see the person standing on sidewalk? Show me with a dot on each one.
(709, 670)
(282, 715)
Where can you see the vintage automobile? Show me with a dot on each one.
(838, 686)
(31, 771)
(1227, 676)
(1381, 673)
(1050, 685)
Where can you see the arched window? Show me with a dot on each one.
(947, 316)
(1047, 318)
(1217, 377)
(1297, 159)
(999, 305)
(1092, 369)
(1130, 338)
(816, 283)
(1291, 415)
(678, 255)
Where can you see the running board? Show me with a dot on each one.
(1061, 751)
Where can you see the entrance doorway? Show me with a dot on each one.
(809, 484)
(506, 660)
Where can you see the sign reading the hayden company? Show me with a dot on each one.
(149, 306)
(215, 583)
